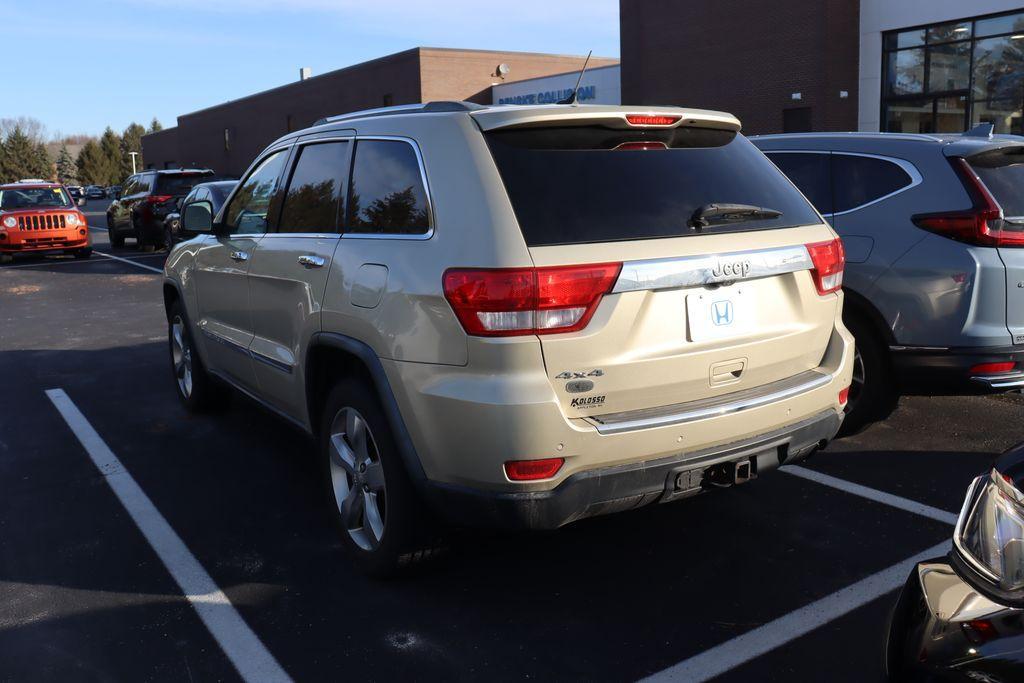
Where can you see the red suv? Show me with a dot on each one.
(41, 217)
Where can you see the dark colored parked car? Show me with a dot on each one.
(933, 227)
(95, 192)
(215, 193)
(961, 617)
(146, 199)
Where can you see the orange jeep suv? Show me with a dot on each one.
(41, 217)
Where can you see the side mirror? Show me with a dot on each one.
(80, 201)
(198, 217)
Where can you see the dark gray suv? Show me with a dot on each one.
(933, 227)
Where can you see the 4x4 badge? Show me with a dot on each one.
(579, 375)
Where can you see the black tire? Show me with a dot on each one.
(6, 258)
(116, 238)
(409, 535)
(83, 253)
(168, 238)
(203, 393)
(873, 394)
(110, 223)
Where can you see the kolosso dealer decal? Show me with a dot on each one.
(587, 402)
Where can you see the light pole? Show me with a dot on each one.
(133, 155)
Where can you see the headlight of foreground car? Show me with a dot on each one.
(10, 222)
(72, 219)
(989, 534)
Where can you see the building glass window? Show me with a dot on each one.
(948, 77)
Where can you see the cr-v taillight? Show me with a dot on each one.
(829, 259)
(505, 302)
(981, 225)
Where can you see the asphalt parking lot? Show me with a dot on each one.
(785, 578)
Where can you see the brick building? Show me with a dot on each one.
(226, 137)
(901, 66)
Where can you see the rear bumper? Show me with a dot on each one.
(612, 489)
(948, 370)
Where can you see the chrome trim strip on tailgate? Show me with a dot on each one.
(689, 271)
(679, 413)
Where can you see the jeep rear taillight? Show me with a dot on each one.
(829, 259)
(981, 225)
(516, 301)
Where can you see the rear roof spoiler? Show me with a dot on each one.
(550, 116)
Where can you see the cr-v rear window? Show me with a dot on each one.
(594, 184)
(1002, 171)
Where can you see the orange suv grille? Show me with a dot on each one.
(47, 222)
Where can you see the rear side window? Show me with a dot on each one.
(858, 180)
(594, 184)
(811, 173)
(313, 200)
(386, 193)
(142, 184)
(178, 184)
(1002, 172)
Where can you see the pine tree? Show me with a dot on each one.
(155, 126)
(131, 141)
(91, 164)
(66, 171)
(21, 158)
(42, 162)
(110, 147)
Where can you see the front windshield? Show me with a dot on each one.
(33, 198)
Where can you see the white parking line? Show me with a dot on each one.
(249, 656)
(129, 262)
(764, 639)
(872, 494)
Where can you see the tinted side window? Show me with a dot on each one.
(313, 200)
(859, 180)
(811, 173)
(386, 193)
(247, 214)
(143, 183)
(129, 187)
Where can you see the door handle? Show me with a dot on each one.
(312, 261)
(239, 256)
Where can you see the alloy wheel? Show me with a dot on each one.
(181, 357)
(357, 478)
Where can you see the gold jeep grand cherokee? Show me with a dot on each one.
(516, 316)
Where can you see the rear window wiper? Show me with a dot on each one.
(710, 214)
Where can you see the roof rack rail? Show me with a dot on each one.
(425, 108)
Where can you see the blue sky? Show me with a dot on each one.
(80, 66)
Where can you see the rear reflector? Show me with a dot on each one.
(993, 368)
(829, 259)
(652, 119)
(844, 396)
(531, 470)
(981, 225)
(515, 301)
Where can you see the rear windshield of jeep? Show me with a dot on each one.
(595, 184)
(179, 184)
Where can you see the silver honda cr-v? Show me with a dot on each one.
(933, 227)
